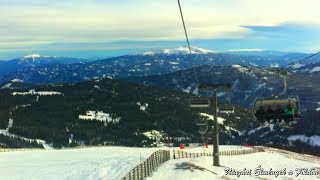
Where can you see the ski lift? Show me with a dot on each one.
(226, 109)
(260, 108)
(278, 107)
(199, 102)
(201, 122)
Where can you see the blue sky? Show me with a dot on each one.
(99, 28)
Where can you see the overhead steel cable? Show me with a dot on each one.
(296, 62)
(184, 26)
(187, 38)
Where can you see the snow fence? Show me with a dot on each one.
(177, 154)
(145, 168)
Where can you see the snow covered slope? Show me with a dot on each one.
(277, 160)
(113, 163)
(90, 163)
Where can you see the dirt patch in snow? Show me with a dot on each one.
(190, 166)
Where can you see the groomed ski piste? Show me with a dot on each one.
(113, 163)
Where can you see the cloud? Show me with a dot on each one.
(292, 28)
(287, 36)
(233, 24)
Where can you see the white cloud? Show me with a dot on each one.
(38, 22)
(107, 20)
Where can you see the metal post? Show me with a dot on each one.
(215, 131)
(215, 138)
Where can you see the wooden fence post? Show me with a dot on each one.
(148, 165)
(173, 153)
(154, 162)
(134, 173)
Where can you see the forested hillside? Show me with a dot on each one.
(55, 118)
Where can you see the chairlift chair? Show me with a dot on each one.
(274, 102)
(199, 102)
(226, 109)
(201, 122)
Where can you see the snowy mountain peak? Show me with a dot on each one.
(179, 50)
(32, 56)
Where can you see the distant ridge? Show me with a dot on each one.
(179, 50)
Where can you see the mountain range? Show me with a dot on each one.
(163, 79)
(42, 70)
(248, 83)
(34, 61)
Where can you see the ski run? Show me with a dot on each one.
(113, 163)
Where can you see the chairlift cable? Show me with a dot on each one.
(291, 64)
(187, 38)
(296, 62)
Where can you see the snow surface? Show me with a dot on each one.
(316, 69)
(32, 56)
(99, 116)
(10, 124)
(211, 117)
(6, 86)
(110, 163)
(187, 90)
(240, 68)
(41, 93)
(267, 160)
(16, 80)
(6, 132)
(267, 125)
(296, 66)
(113, 163)
(210, 148)
(142, 107)
(312, 140)
(44, 144)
